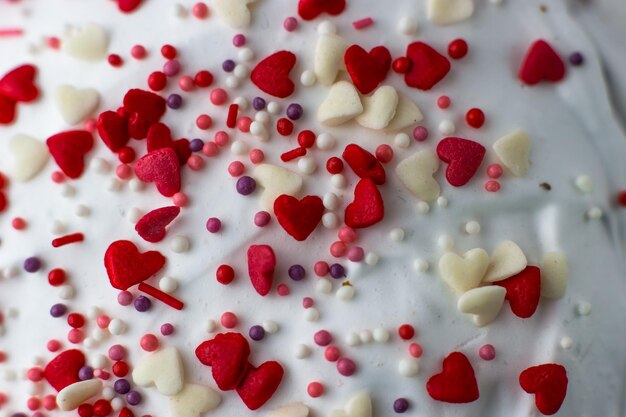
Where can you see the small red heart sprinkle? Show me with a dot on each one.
(7, 110)
(18, 84)
(113, 130)
(63, 369)
(428, 66)
(541, 63)
(456, 383)
(227, 355)
(310, 9)
(298, 217)
(162, 168)
(261, 264)
(549, 384)
(367, 69)
(160, 136)
(128, 6)
(151, 227)
(463, 156)
(68, 150)
(126, 267)
(367, 208)
(364, 164)
(272, 74)
(144, 109)
(523, 291)
(260, 384)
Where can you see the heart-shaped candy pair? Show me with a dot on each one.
(160, 136)
(310, 9)
(463, 273)
(144, 109)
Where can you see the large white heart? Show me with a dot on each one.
(466, 272)
(484, 303)
(235, 13)
(28, 157)
(342, 103)
(407, 114)
(445, 12)
(416, 174)
(89, 43)
(193, 401)
(275, 181)
(513, 150)
(507, 259)
(163, 369)
(76, 104)
(329, 52)
(554, 275)
(379, 108)
(360, 405)
(70, 397)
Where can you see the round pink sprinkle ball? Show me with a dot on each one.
(315, 389)
(321, 268)
(221, 138)
(332, 353)
(262, 218)
(149, 342)
(117, 352)
(346, 366)
(322, 338)
(487, 352)
(290, 24)
(229, 320)
(420, 133)
(356, 254)
(124, 298)
(494, 171)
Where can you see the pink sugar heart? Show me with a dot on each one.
(161, 167)
(463, 156)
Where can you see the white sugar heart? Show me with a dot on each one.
(70, 397)
(445, 12)
(163, 369)
(379, 108)
(328, 60)
(466, 272)
(193, 401)
(235, 13)
(484, 303)
(416, 174)
(89, 43)
(28, 157)
(275, 181)
(507, 259)
(290, 410)
(342, 103)
(554, 275)
(360, 405)
(76, 104)
(407, 114)
(513, 150)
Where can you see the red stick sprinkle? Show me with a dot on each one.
(231, 121)
(161, 296)
(362, 23)
(6, 32)
(293, 154)
(67, 239)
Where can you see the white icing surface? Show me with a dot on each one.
(573, 133)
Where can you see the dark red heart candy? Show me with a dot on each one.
(144, 109)
(160, 136)
(18, 84)
(260, 384)
(63, 369)
(272, 74)
(125, 412)
(428, 66)
(68, 150)
(364, 164)
(126, 267)
(310, 9)
(456, 383)
(464, 158)
(7, 110)
(367, 69)
(128, 6)
(298, 217)
(523, 291)
(162, 168)
(151, 227)
(541, 63)
(367, 208)
(113, 130)
(227, 355)
(549, 384)
(261, 264)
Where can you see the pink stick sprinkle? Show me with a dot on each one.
(363, 23)
(6, 32)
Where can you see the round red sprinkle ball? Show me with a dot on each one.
(138, 52)
(306, 138)
(332, 353)
(290, 24)
(243, 124)
(49, 402)
(229, 320)
(75, 336)
(621, 198)
(406, 332)
(256, 156)
(225, 274)
(415, 350)
(102, 408)
(85, 410)
(307, 302)
(149, 342)
(204, 122)
(56, 277)
(168, 51)
(53, 345)
(346, 366)
(90, 125)
(315, 389)
(157, 81)
(282, 290)
(57, 177)
(103, 321)
(338, 249)
(284, 126)
(33, 403)
(221, 138)
(34, 374)
(401, 65)
(384, 153)
(218, 96)
(475, 118)
(120, 369)
(457, 49)
(53, 42)
(334, 165)
(123, 171)
(126, 155)
(200, 10)
(115, 60)
(321, 268)
(443, 102)
(186, 83)
(18, 223)
(494, 171)
(195, 162)
(76, 320)
(203, 79)
(210, 149)
(492, 186)
(236, 168)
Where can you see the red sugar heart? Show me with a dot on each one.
(3, 205)
(7, 110)
(261, 264)
(151, 227)
(549, 384)
(63, 369)
(113, 130)
(128, 6)
(126, 267)
(272, 74)
(364, 164)
(18, 84)
(162, 168)
(456, 383)
(463, 156)
(144, 109)
(68, 150)
(260, 384)
(160, 136)
(299, 217)
(523, 291)
(227, 355)
(367, 69)
(428, 66)
(541, 63)
(367, 208)
(310, 9)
